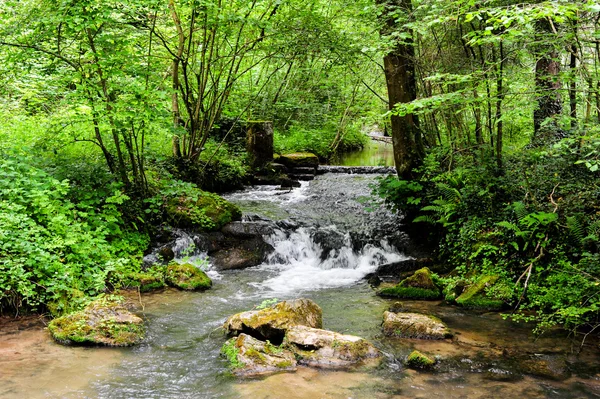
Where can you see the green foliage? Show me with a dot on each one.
(53, 252)
(266, 303)
(533, 227)
(230, 351)
(318, 140)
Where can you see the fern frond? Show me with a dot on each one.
(509, 226)
(520, 210)
(449, 193)
(425, 219)
(576, 228)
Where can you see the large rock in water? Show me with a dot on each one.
(272, 323)
(102, 322)
(299, 159)
(414, 325)
(248, 357)
(327, 349)
(187, 277)
(418, 286)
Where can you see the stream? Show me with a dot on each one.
(179, 357)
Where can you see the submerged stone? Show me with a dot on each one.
(419, 361)
(414, 325)
(418, 286)
(474, 295)
(299, 159)
(187, 277)
(544, 366)
(272, 323)
(327, 349)
(101, 322)
(248, 357)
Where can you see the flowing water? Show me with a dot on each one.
(329, 236)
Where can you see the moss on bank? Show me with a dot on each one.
(474, 295)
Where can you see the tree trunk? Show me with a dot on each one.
(399, 70)
(547, 83)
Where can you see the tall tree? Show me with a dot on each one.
(399, 68)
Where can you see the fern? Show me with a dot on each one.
(577, 228)
(425, 219)
(520, 210)
(449, 193)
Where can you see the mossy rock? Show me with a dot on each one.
(319, 348)
(474, 295)
(187, 277)
(414, 325)
(419, 361)
(419, 286)
(102, 322)
(248, 357)
(299, 159)
(273, 322)
(145, 282)
(208, 212)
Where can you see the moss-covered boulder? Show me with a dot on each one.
(102, 322)
(419, 361)
(414, 325)
(187, 277)
(299, 159)
(327, 349)
(418, 286)
(145, 281)
(273, 322)
(474, 295)
(203, 210)
(249, 357)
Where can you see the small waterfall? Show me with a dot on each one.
(312, 258)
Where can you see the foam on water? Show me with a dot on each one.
(298, 264)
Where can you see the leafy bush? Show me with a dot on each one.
(53, 252)
(534, 224)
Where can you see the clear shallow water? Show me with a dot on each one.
(180, 355)
(375, 153)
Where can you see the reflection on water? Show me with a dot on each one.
(375, 153)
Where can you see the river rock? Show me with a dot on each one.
(187, 277)
(236, 258)
(272, 322)
(102, 322)
(414, 325)
(419, 361)
(544, 366)
(329, 239)
(299, 159)
(248, 357)
(418, 286)
(239, 253)
(245, 229)
(327, 349)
